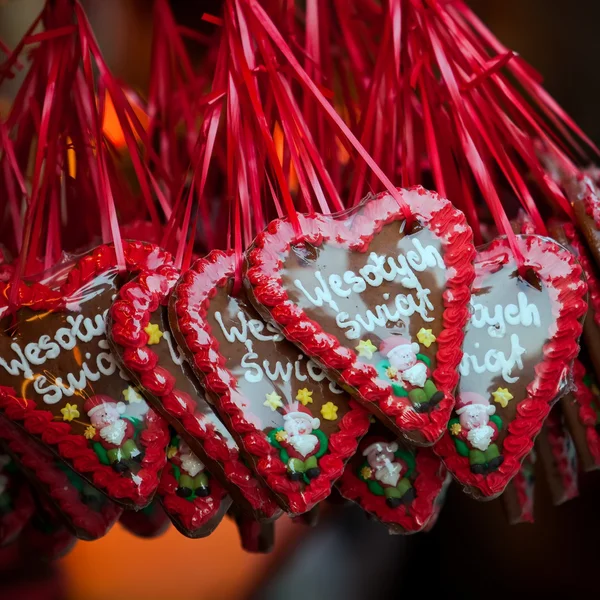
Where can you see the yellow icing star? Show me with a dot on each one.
(502, 396)
(132, 396)
(273, 401)
(154, 333)
(329, 411)
(281, 436)
(90, 432)
(455, 428)
(391, 372)
(426, 337)
(69, 412)
(366, 348)
(171, 452)
(305, 396)
(366, 473)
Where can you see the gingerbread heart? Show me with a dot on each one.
(379, 303)
(558, 456)
(140, 337)
(581, 408)
(16, 502)
(583, 194)
(518, 350)
(567, 235)
(194, 501)
(62, 385)
(518, 495)
(89, 513)
(397, 484)
(295, 427)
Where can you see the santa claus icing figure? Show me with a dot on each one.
(300, 442)
(114, 434)
(386, 471)
(409, 372)
(475, 431)
(191, 475)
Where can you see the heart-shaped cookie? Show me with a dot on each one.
(518, 495)
(62, 385)
(379, 303)
(194, 501)
(567, 235)
(16, 501)
(583, 194)
(296, 428)
(518, 350)
(140, 338)
(396, 483)
(558, 456)
(89, 513)
(581, 408)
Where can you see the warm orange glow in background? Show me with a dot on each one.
(111, 126)
(171, 567)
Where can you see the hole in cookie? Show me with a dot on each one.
(306, 253)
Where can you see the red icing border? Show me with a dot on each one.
(588, 268)
(89, 524)
(556, 268)
(524, 491)
(587, 415)
(129, 315)
(199, 517)
(556, 435)
(55, 435)
(266, 258)
(428, 485)
(193, 294)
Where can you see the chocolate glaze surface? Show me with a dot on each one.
(264, 363)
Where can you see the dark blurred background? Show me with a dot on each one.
(472, 552)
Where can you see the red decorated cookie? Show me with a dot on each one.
(62, 385)
(379, 303)
(16, 501)
(194, 501)
(295, 427)
(518, 350)
(583, 194)
(568, 235)
(581, 408)
(141, 339)
(518, 495)
(397, 484)
(558, 456)
(89, 513)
